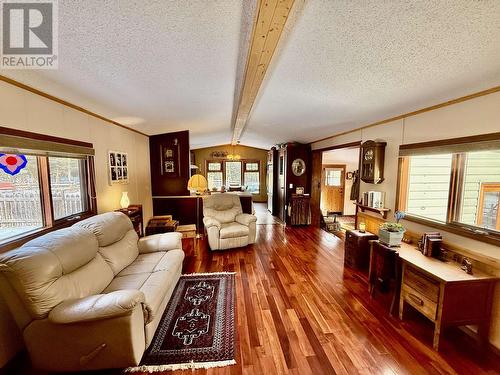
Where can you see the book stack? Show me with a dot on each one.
(430, 244)
(375, 199)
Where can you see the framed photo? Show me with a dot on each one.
(170, 163)
(299, 190)
(118, 167)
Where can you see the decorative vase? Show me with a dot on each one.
(390, 238)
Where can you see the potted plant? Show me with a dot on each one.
(391, 234)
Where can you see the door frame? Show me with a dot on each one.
(343, 167)
(316, 169)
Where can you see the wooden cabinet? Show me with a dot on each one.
(300, 210)
(372, 161)
(357, 248)
(134, 212)
(292, 170)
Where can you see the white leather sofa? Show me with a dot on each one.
(226, 225)
(90, 296)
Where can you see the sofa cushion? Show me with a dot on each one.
(61, 265)
(232, 230)
(121, 253)
(109, 227)
(151, 262)
(223, 207)
(153, 283)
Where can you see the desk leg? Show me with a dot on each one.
(401, 307)
(371, 283)
(437, 335)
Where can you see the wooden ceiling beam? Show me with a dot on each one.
(270, 20)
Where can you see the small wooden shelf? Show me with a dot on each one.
(382, 211)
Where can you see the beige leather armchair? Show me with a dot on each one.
(226, 225)
(90, 296)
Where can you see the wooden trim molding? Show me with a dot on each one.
(417, 112)
(490, 141)
(43, 137)
(67, 104)
(344, 145)
(269, 22)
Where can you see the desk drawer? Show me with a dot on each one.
(427, 287)
(419, 302)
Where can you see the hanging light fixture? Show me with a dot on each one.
(233, 155)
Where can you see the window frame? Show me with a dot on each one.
(49, 222)
(244, 170)
(452, 223)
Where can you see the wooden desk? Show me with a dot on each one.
(444, 293)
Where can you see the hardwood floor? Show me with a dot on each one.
(300, 312)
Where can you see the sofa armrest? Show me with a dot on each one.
(211, 222)
(99, 307)
(160, 242)
(246, 219)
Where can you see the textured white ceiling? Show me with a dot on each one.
(349, 63)
(162, 66)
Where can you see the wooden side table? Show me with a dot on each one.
(357, 248)
(300, 209)
(134, 212)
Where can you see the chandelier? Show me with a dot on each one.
(233, 155)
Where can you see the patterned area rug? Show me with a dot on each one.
(197, 329)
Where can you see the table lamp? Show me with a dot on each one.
(198, 183)
(124, 201)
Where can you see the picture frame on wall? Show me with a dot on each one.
(118, 167)
(170, 163)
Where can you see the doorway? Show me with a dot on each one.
(332, 188)
(335, 176)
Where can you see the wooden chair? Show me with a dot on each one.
(385, 269)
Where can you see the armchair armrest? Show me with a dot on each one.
(246, 219)
(160, 242)
(211, 222)
(99, 307)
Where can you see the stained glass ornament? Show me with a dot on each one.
(12, 164)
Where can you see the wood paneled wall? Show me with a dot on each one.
(164, 184)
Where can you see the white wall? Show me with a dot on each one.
(21, 109)
(350, 158)
(473, 117)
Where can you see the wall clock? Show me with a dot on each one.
(298, 167)
(372, 162)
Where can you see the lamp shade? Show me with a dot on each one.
(124, 201)
(198, 183)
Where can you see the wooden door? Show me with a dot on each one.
(317, 157)
(332, 188)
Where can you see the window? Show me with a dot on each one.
(252, 177)
(214, 175)
(429, 186)
(50, 185)
(333, 177)
(488, 211)
(242, 173)
(233, 173)
(453, 185)
(67, 186)
(20, 201)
